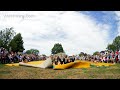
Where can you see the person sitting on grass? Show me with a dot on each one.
(25, 59)
(61, 60)
(65, 59)
(68, 60)
(55, 60)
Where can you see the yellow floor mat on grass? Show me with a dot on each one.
(80, 64)
(98, 64)
(102, 64)
(12, 64)
(63, 66)
(32, 62)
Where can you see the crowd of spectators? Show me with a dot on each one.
(103, 56)
(15, 57)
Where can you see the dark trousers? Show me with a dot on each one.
(61, 62)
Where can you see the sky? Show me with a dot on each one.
(77, 31)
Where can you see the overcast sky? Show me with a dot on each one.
(77, 31)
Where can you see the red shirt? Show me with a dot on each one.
(117, 52)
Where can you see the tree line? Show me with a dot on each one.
(11, 40)
(115, 45)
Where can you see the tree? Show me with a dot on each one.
(81, 54)
(6, 36)
(57, 49)
(85, 54)
(43, 55)
(1, 43)
(16, 43)
(32, 51)
(96, 53)
(28, 52)
(115, 44)
(111, 47)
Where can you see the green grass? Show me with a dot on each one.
(22, 72)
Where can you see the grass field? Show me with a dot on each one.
(22, 72)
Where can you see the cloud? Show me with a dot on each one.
(76, 32)
(118, 18)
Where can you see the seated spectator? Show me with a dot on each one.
(55, 60)
(25, 59)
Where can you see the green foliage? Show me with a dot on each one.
(115, 44)
(1, 43)
(16, 43)
(81, 54)
(96, 53)
(57, 49)
(28, 52)
(44, 55)
(6, 36)
(32, 51)
(111, 47)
